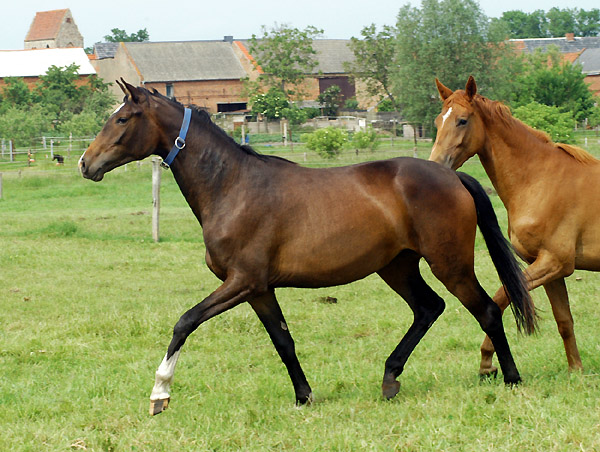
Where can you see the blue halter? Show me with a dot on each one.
(179, 141)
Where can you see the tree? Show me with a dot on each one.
(330, 100)
(588, 22)
(550, 80)
(270, 104)
(118, 35)
(561, 21)
(20, 124)
(448, 39)
(285, 55)
(15, 92)
(60, 101)
(374, 61)
(525, 25)
(555, 23)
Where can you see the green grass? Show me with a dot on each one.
(89, 301)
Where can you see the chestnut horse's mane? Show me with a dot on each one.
(497, 111)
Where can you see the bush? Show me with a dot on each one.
(21, 124)
(83, 124)
(366, 139)
(548, 119)
(326, 142)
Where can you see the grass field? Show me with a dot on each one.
(89, 301)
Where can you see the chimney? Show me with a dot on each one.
(228, 39)
(570, 37)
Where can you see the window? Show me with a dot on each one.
(170, 93)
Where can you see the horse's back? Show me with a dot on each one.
(354, 220)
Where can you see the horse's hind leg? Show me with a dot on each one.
(268, 311)
(464, 285)
(403, 275)
(559, 300)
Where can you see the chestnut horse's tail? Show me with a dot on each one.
(503, 257)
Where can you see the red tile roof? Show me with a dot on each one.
(45, 25)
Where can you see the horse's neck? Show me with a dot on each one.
(511, 161)
(206, 172)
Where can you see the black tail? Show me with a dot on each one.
(502, 256)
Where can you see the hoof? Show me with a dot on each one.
(390, 389)
(158, 406)
(490, 373)
(308, 400)
(512, 382)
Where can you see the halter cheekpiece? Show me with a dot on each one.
(179, 141)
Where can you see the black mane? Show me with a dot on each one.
(207, 121)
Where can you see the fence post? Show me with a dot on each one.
(10, 150)
(155, 197)
(0, 185)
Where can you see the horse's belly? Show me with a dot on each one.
(333, 263)
(587, 255)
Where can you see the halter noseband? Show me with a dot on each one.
(179, 141)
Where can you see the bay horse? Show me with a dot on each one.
(270, 223)
(549, 191)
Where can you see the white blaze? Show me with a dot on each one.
(446, 116)
(118, 108)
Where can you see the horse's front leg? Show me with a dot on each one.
(231, 293)
(268, 311)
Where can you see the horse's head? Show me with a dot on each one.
(131, 133)
(460, 132)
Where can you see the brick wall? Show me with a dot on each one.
(206, 94)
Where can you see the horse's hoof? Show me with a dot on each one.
(158, 406)
(308, 400)
(390, 389)
(512, 382)
(490, 373)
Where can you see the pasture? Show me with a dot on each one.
(89, 302)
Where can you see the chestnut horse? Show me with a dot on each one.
(549, 191)
(269, 223)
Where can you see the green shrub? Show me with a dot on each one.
(326, 142)
(366, 139)
(560, 126)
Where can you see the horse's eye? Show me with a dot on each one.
(462, 122)
(122, 120)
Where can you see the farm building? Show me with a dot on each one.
(30, 64)
(204, 73)
(210, 73)
(53, 29)
(590, 62)
(582, 50)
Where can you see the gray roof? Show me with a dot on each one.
(105, 49)
(185, 61)
(331, 55)
(590, 60)
(572, 46)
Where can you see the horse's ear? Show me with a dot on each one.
(471, 88)
(130, 91)
(445, 92)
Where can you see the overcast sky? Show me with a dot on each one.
(185, 20)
